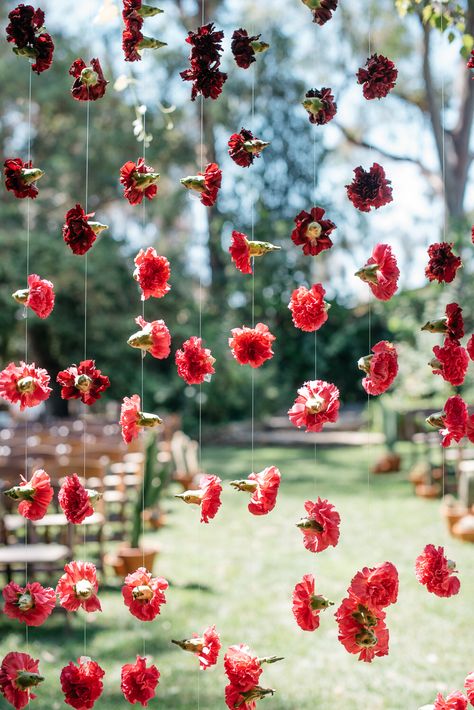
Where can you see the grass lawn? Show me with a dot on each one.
(247, 567)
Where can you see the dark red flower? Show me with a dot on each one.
(242, 250)
(144, 594)
(316, 404)
(453, 420)
(82, 683)
(442, 264)
(154, 338)
(322, 10)
(24, 384)
(90, 83)
(376, 587)
(31, 604)
(307, 605)
(369, 189)
(78, 587)
(320, 526)
(205, 56)
(362, 629)
(453, 701)
(24, 31)
(132, 419)
(252, 346)
(207, 184)
(34, 495)
(452, 325)
(205, 646)
(83, 381)
(244, 148)
(138, 180)
(470, 63)
(39, 296)
(436, 572)
(152, 273)
(43, 47)
(20, 178)
(470, 347)
(308, 307)
(18, 674)
(378, 77)
(131, 39)
(320, 105)
(381, 368)
(76, 500)
(312, 231)
(244, 47)
(194, 363)
(77, 232)
(381, 272)
(207, 496)
(451, 362)
(139, 681)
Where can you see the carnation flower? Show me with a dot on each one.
(82, 683)
(369, 189)
(242, 667)
(381, 368)
(470, 63)
(43, 48)
(39, 296)
(452, 325)
(308, 308)
(264, 489)
(208, 496)
(252, 346)
(205, 56)
(76, 500)
(152, 273)
(307, 605)
(436, 572)
(362, 629)
(138, 180)
(378, 77)
(452, 421)
(451, 362)
(89, 81)
(25, 384)
(80, 231)
(242, 251)
(320, 526)
(206, 184)
(376, 587)
(381, 272)
(139, 681)
(470, 347)
(469, 687)
(246, 700)
(454, 701)
(316, 404)
(320, 105)
(18, 674)
(78, 587)
(132, 419)
(244, 148)
(194, 363)
(31, 604)
(26, 31)
(322, 10)
(83, 381)
(133, 41)
(244, 47)
(442, 264)
(34, 495)
(153, 338)
(144, 594)
(20, 177)
(312, 232)
(206, 647)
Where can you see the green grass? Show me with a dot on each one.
(247, 567)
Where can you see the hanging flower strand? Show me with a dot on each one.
(26, 31)
(205, 60)
(243, 250)
(133, 41)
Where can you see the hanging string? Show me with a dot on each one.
(369, 305)
(443, 173)
(252, 231)
(142, 377)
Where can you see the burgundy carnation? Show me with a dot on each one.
(131, 38)
(378, 77)
(454, 321)
(205, 55)
(82, 684)
(44, 48)
(133, 177)
(77, 232)
(17, 179)
(443, 264)
(312, 231)
(322, 13)
(241, 46)
(244, 148)
(369, 189)
(84, 90)
(23, 31)
(83, 381)
(320, 105)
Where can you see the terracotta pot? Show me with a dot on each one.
(464, 529)
(155, 518)
(428, 490)
(133, 557)
(116, 563)
(452, 514)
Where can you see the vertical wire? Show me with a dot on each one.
(142, 378)
(369, 308)
(86, 278)
(443, 172)
(252, 231)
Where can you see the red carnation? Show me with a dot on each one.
(242, 667)
(207, 184)
(18, 674)
(362, 629)
(78, 587)
(381, 272)
(207, 496)
(317, 403)
(131, 40)
(320, 527)
(252, 346)
(39, 296)
(205, 646)
(144, 594)
(20, 177)
(77, 232)
(308, 308)
(152, 273)
(244, 47)
(138, 180)
(194, 363)
(453, 420)
(24, 30)
(369, 189)
(139, 681)
(312, 231)
(443, 264)
(307, 605)
(26, 384)
(436, 572)
(43, 48)
(31, 604)
(470, 63)
(451, 362)
(82, 683)
(454, 701)
(76, 500)
(469, 687)
(376, 587)
(34, 495)
(244, 148)
(89, 81)
(245, 700)
(83, 381)
(153, 338)
(322, 10)
(452, 325)
(242, 251)
(470, 347)
(320, 105)
(378, 77)
(381, 368)
(264, 489)
(205, 55)
(132, 419)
